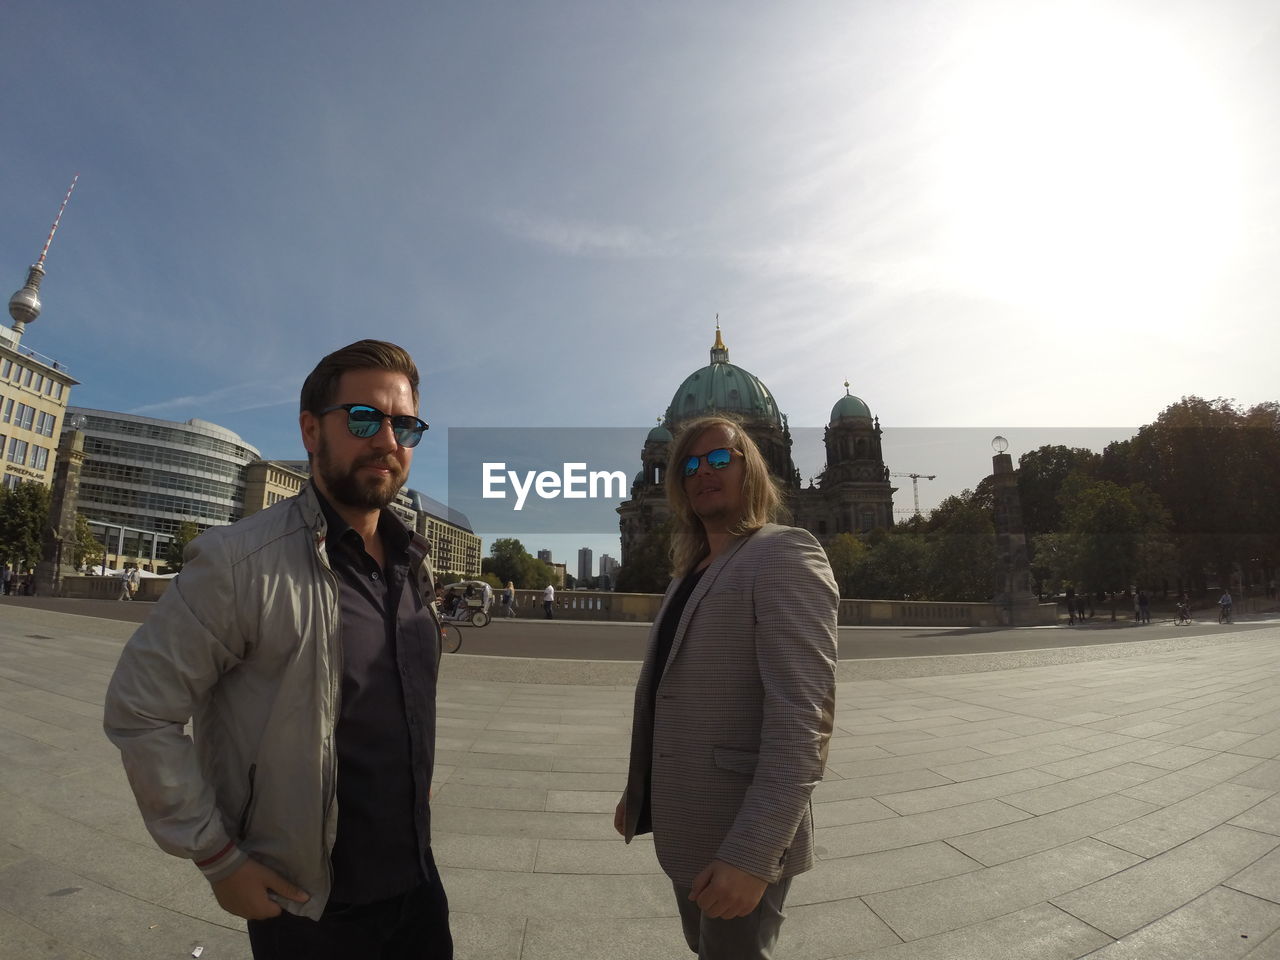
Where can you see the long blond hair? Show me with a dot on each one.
(761, 496)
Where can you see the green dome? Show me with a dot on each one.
(723, 388)
(658, 434)
(849, 406)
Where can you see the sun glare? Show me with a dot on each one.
(1085, 165)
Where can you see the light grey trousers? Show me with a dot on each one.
(743, 938)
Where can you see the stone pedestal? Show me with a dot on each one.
(1013, 573)
(59, 540)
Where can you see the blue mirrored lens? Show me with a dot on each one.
(719, 459)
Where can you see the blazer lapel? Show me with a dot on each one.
(701, 590)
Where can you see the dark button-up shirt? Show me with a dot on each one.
(385, 733)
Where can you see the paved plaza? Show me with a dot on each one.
(1114, 802)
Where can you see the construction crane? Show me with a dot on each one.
(915, 484)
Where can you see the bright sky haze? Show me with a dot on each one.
(982, 214)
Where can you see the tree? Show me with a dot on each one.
(1118, 535)
(1041, 474)
(847, 555)
(24, 513)
(893, 567)
(509, 560)
(88, 550)
(961, 550)
(173, 558)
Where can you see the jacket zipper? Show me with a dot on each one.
(243, 828)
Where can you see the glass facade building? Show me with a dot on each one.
(142, 474)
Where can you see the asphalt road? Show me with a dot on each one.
(593, 640)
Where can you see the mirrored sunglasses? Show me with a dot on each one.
(365, 421)
(716, 459)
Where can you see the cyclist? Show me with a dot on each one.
(1224, 603)
(1184, 609)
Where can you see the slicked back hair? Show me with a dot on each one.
(761, 497)
(322, 383)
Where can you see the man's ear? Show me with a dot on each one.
(309, 425)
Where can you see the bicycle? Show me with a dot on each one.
(1184, 615)
(450, 638)
(1224, 613)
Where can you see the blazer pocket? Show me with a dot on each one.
(736, 761)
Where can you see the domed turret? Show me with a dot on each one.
(721, 387)
(849, 406)
(659, 434)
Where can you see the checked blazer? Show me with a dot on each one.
(737, 737)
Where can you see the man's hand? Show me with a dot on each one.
(723, 892)
(620, 816)
(244, 892)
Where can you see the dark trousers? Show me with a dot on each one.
(411, 926)
(743, 938)
(546, 606)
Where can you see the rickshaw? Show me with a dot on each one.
(472, 607)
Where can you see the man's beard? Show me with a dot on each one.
(351, 489)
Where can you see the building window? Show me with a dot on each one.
(11, 480)
(57, 391)
(6, 369)
(38, 386)
(39, 458)
(26, 377)
(24, 416)
(45, 424)
(48, 387)
(8, 410)
(18, 451)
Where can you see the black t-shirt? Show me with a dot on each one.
(666, 637)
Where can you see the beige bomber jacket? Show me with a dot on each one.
(246, 645)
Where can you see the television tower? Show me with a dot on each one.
(24, 306)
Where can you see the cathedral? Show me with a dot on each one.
(851, 495)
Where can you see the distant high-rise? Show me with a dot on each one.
(545, 556)
(584, 565)
(608, 566)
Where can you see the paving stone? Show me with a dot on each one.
(1022, 760)
(915, 828)
(484, 853)
(502, 893)
(1068, 793)
(1265, 817)
(476, 821)
(824, 930)
(1105, 759)
(1267, 745)
(968, 791)
(830, 790)
(1041, 932)
(106, 924)
(1221, 924)
(588, 937)
(1025, 837)
(1162, 829)
(19, 940)
(583, 801)
(1222, 767)
(459, 794)
(481, 937)
(1120, 904)
(1261, 878)
(917, 761)
(846, 877)
(931, 908)
(1265, 775)
(597, 856)
(1163, 788)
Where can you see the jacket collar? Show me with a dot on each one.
(703, 587)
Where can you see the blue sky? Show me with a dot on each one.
(983, 214)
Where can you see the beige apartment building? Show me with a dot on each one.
(34, 391)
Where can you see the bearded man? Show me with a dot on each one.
(302, 643)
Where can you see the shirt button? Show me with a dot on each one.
(374, 575)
